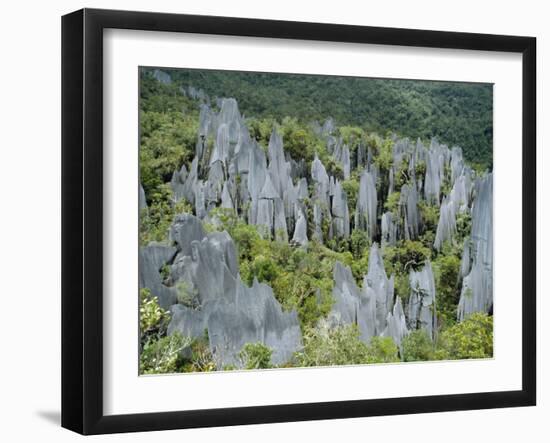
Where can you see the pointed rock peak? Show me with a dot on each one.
(376, 264)
(275, 141)
(301, 188)
(229, 110)
(318, 171)
(342, 274)
(268, 190)
(398, 308)
(227, 201)
(300, 231)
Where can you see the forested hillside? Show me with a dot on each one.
(282, 227)
(458, 113)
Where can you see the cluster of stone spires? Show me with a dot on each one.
(274, 191)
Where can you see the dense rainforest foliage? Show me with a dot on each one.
(458, 113)
(369, 112)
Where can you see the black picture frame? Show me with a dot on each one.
(82, 219)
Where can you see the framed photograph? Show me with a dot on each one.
(269, 221)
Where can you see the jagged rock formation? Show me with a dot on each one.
(352, 305)
(477, 287)
(340, 212)
(437, 157)
(162, 76)
(411, 216)
(300, 232)
(367, 201)
(371, 308)
(382, 287)
(422, 301)
(396, 325)
(206, 283)
(446, 228)
(151, 260)
(389, 229)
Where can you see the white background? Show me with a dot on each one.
(30, 190)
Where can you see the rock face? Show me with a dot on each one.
(162, 76)
(185, 230)
(212, 297)
(389, 229)
(396, 325)
(437, 157)
(300, 233)
(382, 288)
(373, 308)
(367, 201)
(151, 260)
(409, 208)
(340, 212)
(352, 305)
(477, 287)
(422, 301)
(446, 228)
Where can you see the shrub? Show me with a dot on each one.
(429, 214)
(392, 203)
(324, 346)
(152, 318)
(447, 273)
(472, 338)
(186, 295)
(406, 255)
(359, 242)
(161, 356)
(382, 350)
(256, 356)
(351, 188)
(341, 345)
(418, 346)
(201, 359)
(154, 223)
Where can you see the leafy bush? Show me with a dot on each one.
(154, 223)
(384, 157)
(382, 350)
(359, 243)
(472, 338)
(392, 203)
(429, 214)
(406, 255)
(351, 188)
(447, 276)
(341, 345)
(417, 346)
(186, 295)
(152, 318)
(161, 356)
(201, 359)
(256, 356)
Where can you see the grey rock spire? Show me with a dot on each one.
(366, 209)
(446, 227)
(422, 301)
(396, 325)
(382, 287)
(477, 286)
(232, 313)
